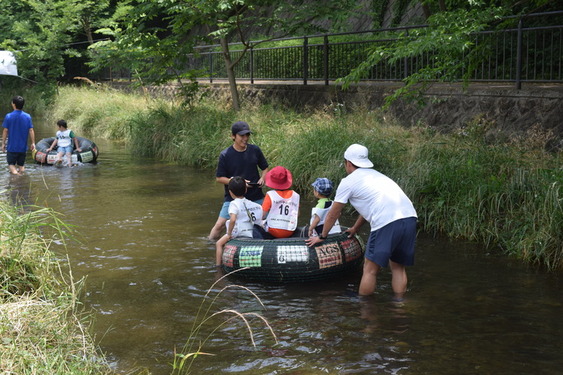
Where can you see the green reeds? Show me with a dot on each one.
(503, 191)
(195, 344)
(42, 330)
(97, 112)
(504, 195)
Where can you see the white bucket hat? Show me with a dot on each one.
(358, 155)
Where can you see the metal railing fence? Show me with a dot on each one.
(516, 54)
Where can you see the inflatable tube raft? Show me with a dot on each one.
(88, 154)
(290, 260)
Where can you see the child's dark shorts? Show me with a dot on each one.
(395, 241)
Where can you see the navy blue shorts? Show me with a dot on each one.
(395, 242)
(15, 158)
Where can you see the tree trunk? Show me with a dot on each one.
(443, 7)
(87, 30)
(426, 10)
(230, 73)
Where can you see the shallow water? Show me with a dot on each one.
(147, 263)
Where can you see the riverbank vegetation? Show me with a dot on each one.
(42, 327)
(500, 191)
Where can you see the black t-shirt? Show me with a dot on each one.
(245, 164)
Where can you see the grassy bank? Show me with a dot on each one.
(42, 328)
(503, 193)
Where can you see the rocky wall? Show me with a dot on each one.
(506, 111)
(447, 108)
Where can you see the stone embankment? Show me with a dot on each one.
(507, 112)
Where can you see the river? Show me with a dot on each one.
(143, 251)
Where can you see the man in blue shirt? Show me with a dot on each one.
(17, 127)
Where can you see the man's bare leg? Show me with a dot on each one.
(13, 169)
(398, 279)
(217, 229)
(369, 278)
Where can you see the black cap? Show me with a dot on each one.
(240, 128)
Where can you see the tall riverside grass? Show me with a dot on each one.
(97, 112)
(504, 193)
(42, 330)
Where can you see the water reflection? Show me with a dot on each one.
(18, 188)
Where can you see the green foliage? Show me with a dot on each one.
(103, 112)
(399, 7)
(41, 327)
(503, 194)
(43, 34)
(35, 102)
(378, 8)
(447, 44)
(154, 39)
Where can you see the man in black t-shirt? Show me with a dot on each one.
(240, 159)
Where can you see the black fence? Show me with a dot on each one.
(516, 53)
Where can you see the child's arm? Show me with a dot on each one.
(314, 223)
(266, 205)
(76, 144)
(232, 222)
(52, 145)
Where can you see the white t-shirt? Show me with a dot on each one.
(321, 213)
(375, 196)
(284, 211)
(248, 213)
(64, 138)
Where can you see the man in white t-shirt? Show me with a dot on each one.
(390, 213)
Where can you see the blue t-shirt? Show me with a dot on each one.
(18, 124)
(245, 164)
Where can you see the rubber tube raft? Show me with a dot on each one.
(290, 260)
(88, 154)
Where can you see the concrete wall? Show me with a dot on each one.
(448, 108)
(507, 112)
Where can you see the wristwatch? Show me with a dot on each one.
(322, 237)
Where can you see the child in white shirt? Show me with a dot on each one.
(243, 215)
(322, 189)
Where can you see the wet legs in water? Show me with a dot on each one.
(369, 278)
(217, 229)
(69, 158)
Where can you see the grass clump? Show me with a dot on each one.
(42, 330)
(206, 320)
(497, 194)
(471, 184)
(97, 112)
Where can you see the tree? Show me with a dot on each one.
(164, 31)
(142, 40)
(44, 34)
(233, 20)
(448, 40)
